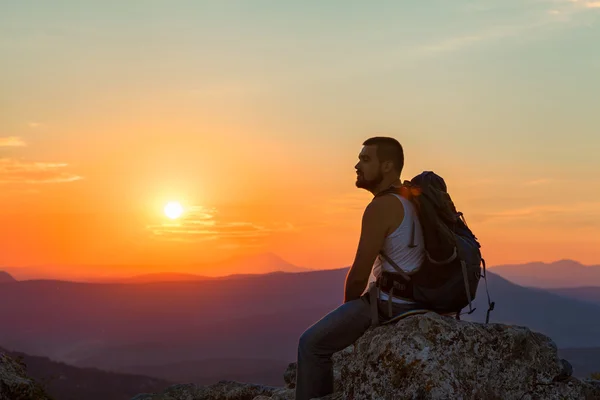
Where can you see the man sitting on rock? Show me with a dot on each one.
(389, 223)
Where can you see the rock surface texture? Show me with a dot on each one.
(15, 384)
(428, 357)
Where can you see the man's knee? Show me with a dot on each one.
(308, 341)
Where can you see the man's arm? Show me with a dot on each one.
(372, 237)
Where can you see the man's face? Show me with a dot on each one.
(368, 169)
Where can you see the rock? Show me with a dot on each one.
(15, 384)
(289, 376)
(435, 357)
(428, 357)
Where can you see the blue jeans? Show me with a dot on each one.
(332, 333)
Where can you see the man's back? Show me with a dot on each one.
(404, 242)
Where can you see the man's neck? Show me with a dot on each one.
(386, 184)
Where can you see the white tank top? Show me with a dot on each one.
(396, 248)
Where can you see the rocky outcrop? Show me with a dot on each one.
(430, 357)
(14, 382)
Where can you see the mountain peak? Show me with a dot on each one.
(250, 263)
(557, 274)
(567, 262)
(5, 277)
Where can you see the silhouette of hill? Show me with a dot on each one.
(208, 371)
(261, 263)
(66, 382)
(5, 277)
(253, 264)
(585, 293)
(559, 274)
(155, 277)
(124, 327)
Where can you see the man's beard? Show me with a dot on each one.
(371, 184)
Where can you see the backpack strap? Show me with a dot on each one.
(412, 235)
(395, 266)
(491, 304)
(463, 264)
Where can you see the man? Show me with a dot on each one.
(389, 223)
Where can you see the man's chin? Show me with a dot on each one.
(362, 185)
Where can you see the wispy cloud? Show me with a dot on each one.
(577, 213)
(34, 125)
(22, 172)
(560, 11)
(585, 3)
(203, 224)
(12, 141)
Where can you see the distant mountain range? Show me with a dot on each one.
(151, 328)
(252, 264)
(587, 293)
(559, 274)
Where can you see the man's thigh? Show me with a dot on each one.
(339, 328)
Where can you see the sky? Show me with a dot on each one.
(252, 115)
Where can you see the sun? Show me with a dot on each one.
(173, 209)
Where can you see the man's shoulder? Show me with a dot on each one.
(383, 205)
(385, 201)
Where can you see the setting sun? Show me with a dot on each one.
(173, 209)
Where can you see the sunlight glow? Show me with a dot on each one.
(173, 209)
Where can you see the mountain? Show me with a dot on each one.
(261, 263)
(251, 264)
(73, 321)
(208, 371)
(5, 277)
(155, 277)
(559, 274)
(65, 382)
(585, 293)
(128, 327)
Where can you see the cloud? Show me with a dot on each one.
(586, 3)
(562, 11)
(203, 224)
(12, 141)
(14, 171)
(578, 213)
(34, 125)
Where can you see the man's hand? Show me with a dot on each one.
(375, 225)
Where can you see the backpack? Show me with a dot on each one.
(448, 278)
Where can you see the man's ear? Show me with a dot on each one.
(388, 166)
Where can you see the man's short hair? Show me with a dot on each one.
(388, 149)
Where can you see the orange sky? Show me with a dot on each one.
(255, 126)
